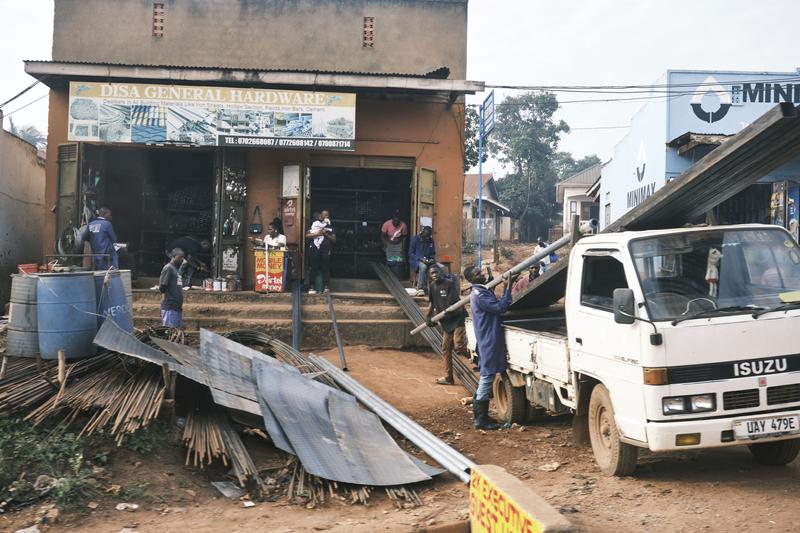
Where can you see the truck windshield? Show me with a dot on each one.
(687, 273)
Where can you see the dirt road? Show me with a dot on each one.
(722, 490)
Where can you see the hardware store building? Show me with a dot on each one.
(186, 136)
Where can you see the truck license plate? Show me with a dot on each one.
(766, 427)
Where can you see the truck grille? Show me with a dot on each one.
(783, 394)
(740, 399)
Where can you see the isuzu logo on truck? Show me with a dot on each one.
(764, 366)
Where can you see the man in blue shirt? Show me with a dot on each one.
(100, 234)
(490, 339)
(421, 255)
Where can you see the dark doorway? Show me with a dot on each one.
(156, 195)
(360, 201)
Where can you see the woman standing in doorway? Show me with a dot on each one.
(319, 252)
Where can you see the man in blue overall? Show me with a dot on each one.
(100, 234)
(491, 343)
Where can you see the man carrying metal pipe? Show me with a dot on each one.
(491, 344)
(442, 293)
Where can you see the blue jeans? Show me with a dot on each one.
(484, 387)
(422, 274)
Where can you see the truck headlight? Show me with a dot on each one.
(698, 403)
(702, 403)
(674, 405)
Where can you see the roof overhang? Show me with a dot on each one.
(689, 141)
(496, 204)
(56, 73)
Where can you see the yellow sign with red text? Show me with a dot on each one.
(491, 510)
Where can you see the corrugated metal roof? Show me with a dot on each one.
(471, 186)
(441, 73)
(585, 178)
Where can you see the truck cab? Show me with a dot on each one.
(669, 339)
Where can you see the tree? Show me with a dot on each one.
(526, 137)
(566, 166)
(471, 130)
(31, 134)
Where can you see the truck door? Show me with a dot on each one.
(601, 347)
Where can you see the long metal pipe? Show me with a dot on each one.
(339, 345)
(446, 456)
(535, 258)
(432, 336)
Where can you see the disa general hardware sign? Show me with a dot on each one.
(211, 116)
(491, 510)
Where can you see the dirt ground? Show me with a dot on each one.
(721, 490)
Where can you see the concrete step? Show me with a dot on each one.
(274, 310)
(339, 298)
(386, 333)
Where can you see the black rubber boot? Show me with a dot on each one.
(481, 412)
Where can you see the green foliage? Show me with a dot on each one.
(135, 491)
(526, 138)
(471, 130)
(506, 252)
(26, 450)
(148, 439)
(566, 166)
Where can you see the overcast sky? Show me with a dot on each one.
(532, 42)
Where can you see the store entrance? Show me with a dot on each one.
(156, 196)
(360, 200)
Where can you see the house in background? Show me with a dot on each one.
(576, 197)
(497, 221)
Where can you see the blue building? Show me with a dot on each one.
(689, 114)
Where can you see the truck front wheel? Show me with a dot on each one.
(777, 453)
(510, 401)
(614, 457)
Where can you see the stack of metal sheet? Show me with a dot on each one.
(461, 368)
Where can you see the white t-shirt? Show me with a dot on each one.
(277, 242)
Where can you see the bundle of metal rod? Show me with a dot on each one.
(516, 269)
(29, 383)
(461, 368)
(208, 435)
(124, 395)
(282, 352)
(439, 451)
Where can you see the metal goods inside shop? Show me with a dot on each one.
(155, 195)
(360, 201)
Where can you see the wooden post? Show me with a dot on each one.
(62, 367)
(3, 367)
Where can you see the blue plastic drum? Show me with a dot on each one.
(112, 302)
(66, 313)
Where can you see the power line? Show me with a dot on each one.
(23, 91)
(26, 105)
(603, 88)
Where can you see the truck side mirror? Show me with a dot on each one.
(624, 306)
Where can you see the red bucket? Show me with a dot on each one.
(28, 268)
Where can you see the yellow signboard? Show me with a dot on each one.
(491, 510)
(217, 116)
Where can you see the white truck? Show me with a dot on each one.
(663, 344)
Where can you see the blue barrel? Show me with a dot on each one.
(22, 335)
(66, 311)
(112, 302)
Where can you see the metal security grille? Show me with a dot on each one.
(158, 19)
(783, 394)
(740, 399)
(368, 35)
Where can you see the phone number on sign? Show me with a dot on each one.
(286, 143)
